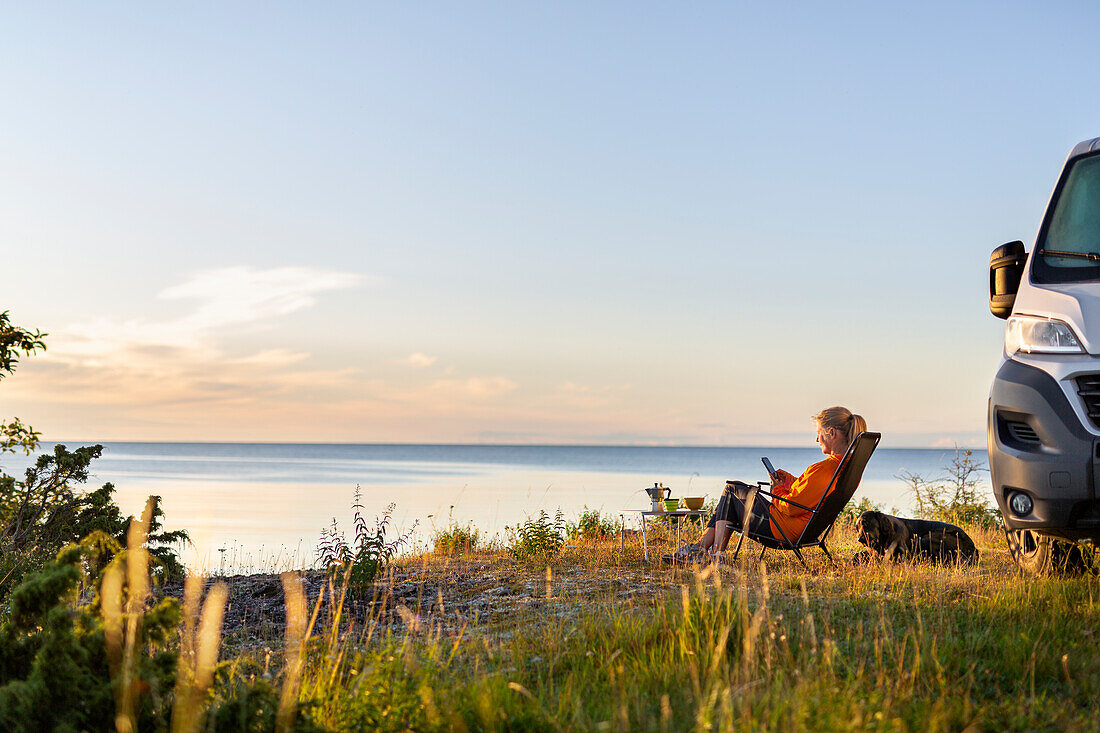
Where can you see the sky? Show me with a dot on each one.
(622, 223)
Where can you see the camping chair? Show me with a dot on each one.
(842, 486)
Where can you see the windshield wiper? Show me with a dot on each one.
(1090, 256)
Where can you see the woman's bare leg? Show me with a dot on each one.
(707, 539)
(722, 533)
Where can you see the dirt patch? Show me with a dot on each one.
(430, 592)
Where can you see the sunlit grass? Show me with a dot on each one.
(597, 638)
(236, 559)
(757, 646)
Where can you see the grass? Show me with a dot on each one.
(765, 647)
(455, 539)
(597, 638)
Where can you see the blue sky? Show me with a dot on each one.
(630, 223)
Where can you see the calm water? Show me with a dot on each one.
(249, 506)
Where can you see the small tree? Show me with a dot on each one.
(954, 496)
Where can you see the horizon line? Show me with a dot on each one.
(959, 446)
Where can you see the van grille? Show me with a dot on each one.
(1022, 432)
(1088, 386)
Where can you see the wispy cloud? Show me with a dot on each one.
(477, 387)
(441, 394)
(586, 395)
(234, 295)
(419, 360)
(186, 376)
(187, 358)
(224, 297)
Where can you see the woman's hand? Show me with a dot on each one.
(783, 478)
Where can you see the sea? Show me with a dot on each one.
(256, 507)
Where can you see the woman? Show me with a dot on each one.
(837, 427)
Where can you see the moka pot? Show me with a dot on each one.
(657, 495)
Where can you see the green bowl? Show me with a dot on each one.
(671, 505)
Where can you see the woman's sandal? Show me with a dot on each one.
(698, 556)
(687, 554)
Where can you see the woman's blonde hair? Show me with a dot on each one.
(841, 418)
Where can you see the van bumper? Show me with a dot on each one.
(1038, 446)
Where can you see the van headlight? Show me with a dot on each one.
(1034, 335)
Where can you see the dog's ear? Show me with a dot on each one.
(865, 522)
(871, 531)
(879, 531)
(886, 526)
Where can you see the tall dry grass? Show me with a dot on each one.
(200, 641)
(761, 646)
(123, 613)
(757, 645)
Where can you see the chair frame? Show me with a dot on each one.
(822, 518)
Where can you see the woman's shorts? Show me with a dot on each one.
(731, 508)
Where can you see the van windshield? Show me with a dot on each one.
(1069, 245)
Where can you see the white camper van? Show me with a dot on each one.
(1044, 407)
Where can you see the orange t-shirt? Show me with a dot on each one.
(807, 490)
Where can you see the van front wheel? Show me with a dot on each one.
(1038, 554)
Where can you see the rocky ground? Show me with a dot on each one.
(485, 590)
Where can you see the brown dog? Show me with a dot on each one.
(914, 539)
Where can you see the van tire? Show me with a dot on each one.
(1038, 554)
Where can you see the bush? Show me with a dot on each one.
(361, 561)
(162, 545)
(850, 513)
(84, 646)
(954, 497)
(456, 539)
(537, 539)
(55, 666)
(591, 525)
(252, 704)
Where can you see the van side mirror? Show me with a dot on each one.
(1006, 267)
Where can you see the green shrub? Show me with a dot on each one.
(361, 561)
(850, 513)
(54, 664)
(456, 539)
(591, 525)
(537, 539)
(251, 703)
